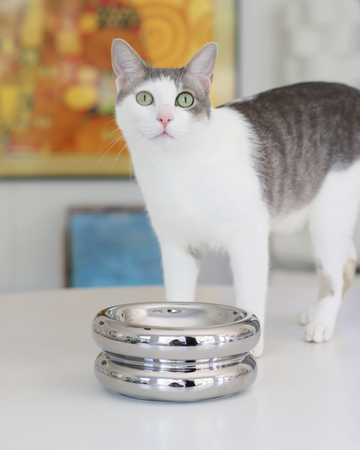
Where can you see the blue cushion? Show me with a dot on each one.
(110, 248)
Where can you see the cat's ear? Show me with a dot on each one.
(126, 63)
(202, 64)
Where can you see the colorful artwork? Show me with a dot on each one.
(56, 83)
(112, 247)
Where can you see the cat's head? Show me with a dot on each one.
(164, 107)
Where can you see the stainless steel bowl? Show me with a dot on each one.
(175, 351)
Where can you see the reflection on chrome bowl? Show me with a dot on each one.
(175, 351)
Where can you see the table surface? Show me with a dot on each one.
(305, 396)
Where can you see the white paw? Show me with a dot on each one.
(316, 332)
(258, 350)
(306, 316)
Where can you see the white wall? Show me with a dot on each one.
(321, 35)
(258, 57)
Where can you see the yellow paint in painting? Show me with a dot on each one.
(200, 16)
(68, 42)
(173, 3)
(33, 25)
(46, 149)
(224, 88)
(7, 45)
(87, 74)
(196, 10)
(28, 81)
(70, 165)
(88, 22)
(81, 97)
(164, 34)
(9, 95)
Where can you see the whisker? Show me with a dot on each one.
(114, 140)
(122, 148)
(117, 141)
(141, 142)
(186, 144)
(100, 148)
(111, 119)
(131, 164)
(112, 143)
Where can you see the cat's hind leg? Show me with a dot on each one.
(331, 223)
(321, 319)
(349, 270)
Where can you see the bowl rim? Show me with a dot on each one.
(247, 316)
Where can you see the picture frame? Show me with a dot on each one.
(57, 93)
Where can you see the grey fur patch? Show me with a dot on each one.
(131, 85)
(183, 81)
(302, 132)
(195, 252)
(201, 108)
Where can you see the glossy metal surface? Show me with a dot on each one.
(175, 351)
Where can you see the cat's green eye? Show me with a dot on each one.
(185, 100)
(144, 98)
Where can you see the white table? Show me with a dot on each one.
(307, 396)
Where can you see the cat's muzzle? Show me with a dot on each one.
(180, 352)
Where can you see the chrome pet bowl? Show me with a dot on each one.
(179, 352)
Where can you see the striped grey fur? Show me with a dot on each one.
(302, 132)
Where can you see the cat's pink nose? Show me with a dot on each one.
(165, 118)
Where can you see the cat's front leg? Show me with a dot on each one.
(249, 256)
(180, 272)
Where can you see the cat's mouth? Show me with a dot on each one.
(165, 135)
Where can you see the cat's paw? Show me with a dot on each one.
(258, 350)
(306, 316)
(316, 332)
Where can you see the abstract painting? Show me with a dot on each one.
(56, 84)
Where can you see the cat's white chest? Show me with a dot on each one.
(200, 200)
(178, 198)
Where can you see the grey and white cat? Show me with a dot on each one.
(224, 178)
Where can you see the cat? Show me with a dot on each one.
(224, 178)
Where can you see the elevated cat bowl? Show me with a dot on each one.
(175, 351)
